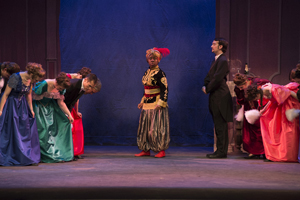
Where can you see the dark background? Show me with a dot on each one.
(111, 37)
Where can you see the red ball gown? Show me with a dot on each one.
(280, 136)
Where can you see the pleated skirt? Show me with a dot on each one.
(154, 130)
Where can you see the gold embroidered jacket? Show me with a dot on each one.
(156, 89)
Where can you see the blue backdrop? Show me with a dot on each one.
(111, 37)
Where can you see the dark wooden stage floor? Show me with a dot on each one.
(112, 172)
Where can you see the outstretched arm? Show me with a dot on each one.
(293, 94)
(4, 98)
(29, 100)
(65, 109)
(77, 110)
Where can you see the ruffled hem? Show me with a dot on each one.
(49, 95)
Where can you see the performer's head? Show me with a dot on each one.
(62, 81)
(296, 77)
(292, 75)
(8, 68)
(241, 81)
(253, 93)
(35, 71)
(219, 46)
(153, 56)
(89, 83)
(83, 72)
(96, 89)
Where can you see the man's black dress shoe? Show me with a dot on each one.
(267, 160)
(78, 157)
(216, 155)
(253, 157)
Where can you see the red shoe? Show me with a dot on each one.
(143, 153)
(160, 154)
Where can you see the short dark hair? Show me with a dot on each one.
(223, 42)
(10, 67)
(92, 77)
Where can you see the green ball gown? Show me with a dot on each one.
(53, 125)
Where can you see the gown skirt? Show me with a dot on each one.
(19, 140)
(77, 134)
(153, 131)
(280, 136)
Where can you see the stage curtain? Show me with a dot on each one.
(111, 37)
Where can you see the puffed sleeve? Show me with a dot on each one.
(40, 87)
(13, 81)
(280, 93)
(163, 84)
(39, 90)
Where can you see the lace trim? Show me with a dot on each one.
(49, 95)
(13, 81)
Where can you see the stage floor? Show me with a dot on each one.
(112, 172)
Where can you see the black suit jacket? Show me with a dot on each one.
(73, 93)
(219, 94)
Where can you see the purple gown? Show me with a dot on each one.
(19, 140)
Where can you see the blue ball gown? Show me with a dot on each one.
(19, 140)
(54, 127)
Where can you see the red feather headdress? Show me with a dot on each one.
(164, 51)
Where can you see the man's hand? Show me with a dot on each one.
(157, 107)
(140, 105)
(33, 114)
(204, 89)
(71, 119)
(79, 114)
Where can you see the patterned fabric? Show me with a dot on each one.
(13, 81)
(155, 77)
(19, 140)
(153, 131)
(41, 92)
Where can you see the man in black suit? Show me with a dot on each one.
(220, 102)
(78, 88)
(89, 85)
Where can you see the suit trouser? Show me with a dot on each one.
(221, 129)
